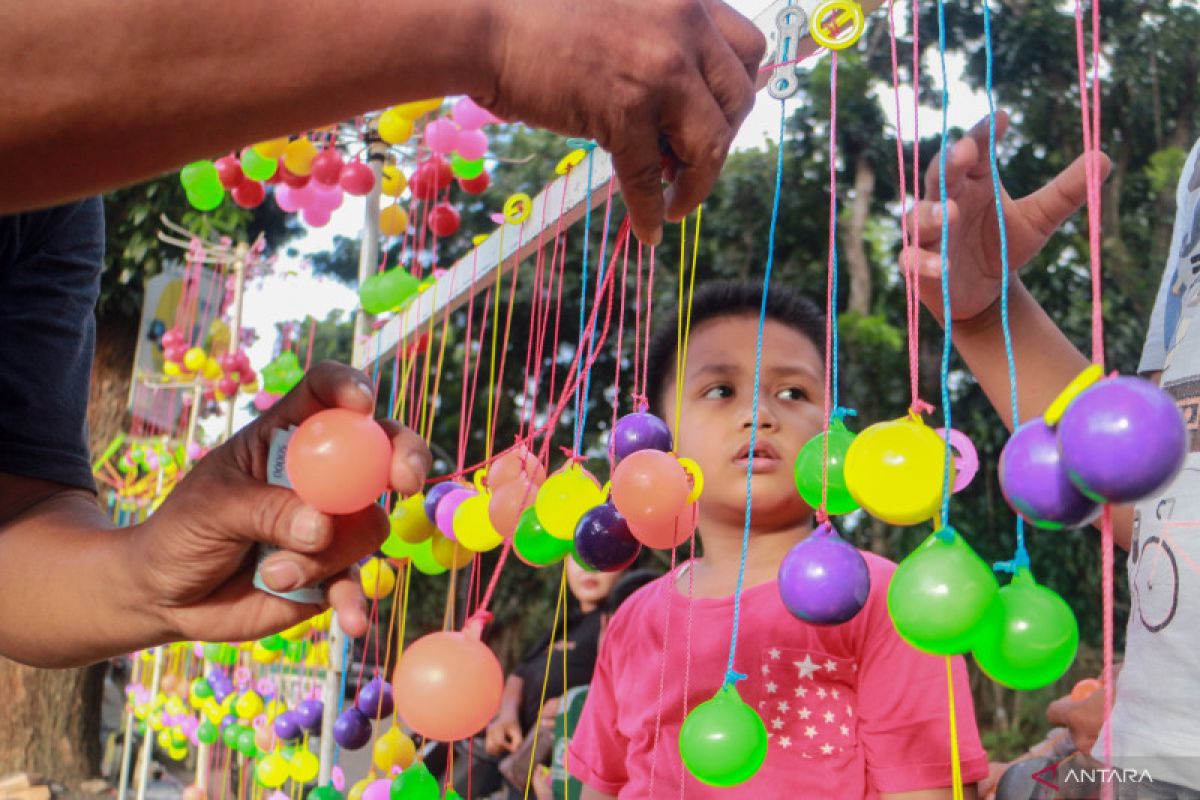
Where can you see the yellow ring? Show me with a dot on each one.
(847, 11)
(480, 480)
(697, 475)
(1082, 381)
(517, 208)
(570, 161)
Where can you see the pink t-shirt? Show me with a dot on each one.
(851, 710)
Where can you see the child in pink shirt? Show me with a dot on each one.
(851, 710)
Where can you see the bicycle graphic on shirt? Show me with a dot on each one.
(1155, 580)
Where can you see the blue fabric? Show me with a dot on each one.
(50, 264)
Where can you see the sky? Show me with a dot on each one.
(294, 293)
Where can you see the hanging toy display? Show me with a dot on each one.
(824, 580)
(895, 470)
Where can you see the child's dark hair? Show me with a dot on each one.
(717, 299)
(626, 585)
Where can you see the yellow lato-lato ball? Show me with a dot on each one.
(377, 578)
(170, 369)
(298, 156)
(393, 221)
(394, 128)
(449, 553)
(272, 148)
(212, 369)
(393, 181)
(195, 359)
(296, 632)
(418, 108)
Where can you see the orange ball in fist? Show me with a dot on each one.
(338, 461)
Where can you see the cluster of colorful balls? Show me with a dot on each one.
(413, 783)
(390, 290)
(153, 457)
(394, 750)
(278, 378)
(224, 374)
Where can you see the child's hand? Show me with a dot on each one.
(197, 551)
(973, 248)
(542, 788)
(503, 736)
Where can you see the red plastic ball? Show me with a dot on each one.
(338, 461)
(327, 167)
(476, 185)
(357, 178)
(249, 194)
(444, 220)
(229, 171)
(290, 178)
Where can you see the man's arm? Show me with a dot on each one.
(100, 95)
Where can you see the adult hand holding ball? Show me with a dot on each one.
(338, 461)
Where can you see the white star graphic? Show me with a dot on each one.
(783, 706)
(849, 710)
(821, 692)
(777, 723)
(801, 691)
(834, 693)
(810, 731)
(772, 687)
(829, 716)
(804, 713)
(845, 731)
(765, 669)
(806, 667)
(827, 749)
(773, 653)
(831, 665)
(785, 742)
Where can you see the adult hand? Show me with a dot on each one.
(1083, 718)
(632, 74)
(503, 736)
(973, 246)
(197, 551)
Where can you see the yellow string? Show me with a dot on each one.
(431, 398)
(684, 324)
(562, 709)
(537, 725)
(403, 621)
(487, 437)
(955, 766)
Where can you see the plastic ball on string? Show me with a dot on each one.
(470, 116)
(377, 579)
(245, 742)
(375, 699)
(202, 184)
(466, 169)
(723, 741)
(430, 177)
(423, 559)
(352, 729)
(316, 217)
(271, 148)
(393, 181)
(441, 136)
(477, 185)
(508, 503)
(249, 194)
(393, 221)
(325, 793)
(286, 176)
(514, 464)
(603, 541)
(393, 749)
(534, 546)
(264, 738)
(448, 684)
(444, 220)
(1029, 637)
(650, 488)
(810, 470)
(447, 507)
(667, 537)
(298, 156)
(378, 790)
(1122, 440)
(256, 166)
(338, 461)
(640, 430)
(327, 167)
(415, 783)
(388, 290)
(824, 579)
(895, 471)
(472, 524)
(287, 727)
(1036, 484)
(229, 170)
(564, 497)
(394, 128)
(409, 523)
(357, 179)
(471, 145)
(308, 713)
(940, 593)
(418, 108)
(248, 705)
(304, 766)
(359, 787)
(448, 553)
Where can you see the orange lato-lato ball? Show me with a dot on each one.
(515, 464)
(650, 488)
(338, 461)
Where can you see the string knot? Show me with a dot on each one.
(841, 412)
(581, 144)
(732, 676)
(1019, 561)
(572, 456)
(920, 407)
(641, 403)
(822, 516)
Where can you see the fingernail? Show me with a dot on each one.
(306, 527)
(282, 575)
(365, 387)
(656, 237)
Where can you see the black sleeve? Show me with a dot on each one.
(50, 264)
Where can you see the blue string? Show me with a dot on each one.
(1020, 555)
(587, 378)
(833, 352)
(732, 676)
(945, 367)
(587, 237)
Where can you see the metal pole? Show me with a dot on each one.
(148, 739)
(127, 746)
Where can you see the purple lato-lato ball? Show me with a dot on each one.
(1122, 440)
(352, 730)
(640, 431)
(824, 580)
(603, 541)
(1036, 484)
(309, 714)
(287, 727)
(375, 699)
(435, 495)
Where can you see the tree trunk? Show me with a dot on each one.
(857, 263)
(51, 720)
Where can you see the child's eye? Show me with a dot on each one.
(793, 393)
(719, 392)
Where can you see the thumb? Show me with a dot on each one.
(327, 385)
(1051, 205)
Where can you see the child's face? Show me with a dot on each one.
(717, 413)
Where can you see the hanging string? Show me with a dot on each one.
(581, 413)
(731, 676)
(1020, 557)
(831, 328)
(583, 281)
(559, 610)
(684, 317)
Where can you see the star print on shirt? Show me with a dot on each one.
(806, 667)
(817, 711)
